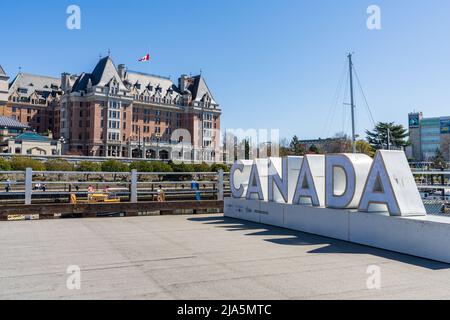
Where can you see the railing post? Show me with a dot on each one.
(28, 185)
(134, 187)
(220, 187)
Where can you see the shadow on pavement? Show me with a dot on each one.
(296, 238)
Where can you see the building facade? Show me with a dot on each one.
(3, 91)
(34, 101)
(32, 144)
(427, 135)
(114, 112)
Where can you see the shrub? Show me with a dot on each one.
(114, 166)
(141, 166)
(220, 166)
(161, 167)
(21, 163)
(89, 166)
(59, 165)
(182, 167)
(203, 167)
(5, 165)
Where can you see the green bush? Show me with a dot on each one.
(161, 167)
(59, 165)
(20, 163)
(141, 166)
(203, 167)
(89, 166)
(5, 165)
(220, 166)
(114, 166)
(182, 167)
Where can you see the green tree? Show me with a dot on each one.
(439, 160)
(365, 147)
(114, 166)
(20, 163)
(59, 165)
(378, 138)
(89, 166)
(5, 165)
(313, 149)
(296, 147)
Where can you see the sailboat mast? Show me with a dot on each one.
(352, 102)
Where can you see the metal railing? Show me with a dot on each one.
(434, 187)
(43, 186)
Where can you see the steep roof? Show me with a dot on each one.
(199, 88)
(2, 72)
(6, 122)
(81, 82)
(32, 83)
(145, 81)
(104, 72)
(31, 136)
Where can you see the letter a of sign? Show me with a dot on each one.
(391, 183)
(255, 183)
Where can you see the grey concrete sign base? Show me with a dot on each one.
(425, 236)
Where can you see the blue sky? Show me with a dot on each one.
(271, 64)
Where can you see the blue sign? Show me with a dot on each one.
(445, 126)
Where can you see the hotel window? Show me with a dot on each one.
(157, 130)
(157, 121)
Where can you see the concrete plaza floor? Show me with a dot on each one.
(200, 257)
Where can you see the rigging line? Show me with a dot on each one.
(334, 102)
(365, 98)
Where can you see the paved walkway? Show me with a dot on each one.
(200, 257)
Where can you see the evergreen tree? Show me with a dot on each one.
(378, 138)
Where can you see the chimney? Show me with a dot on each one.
(121, 71)
(65, 82)
(183, 82)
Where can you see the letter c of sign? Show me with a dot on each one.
(236, 192)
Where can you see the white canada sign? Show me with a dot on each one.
(350, 197)
(338, 181)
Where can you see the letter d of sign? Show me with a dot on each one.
(345, 177)
(310, 187)
(258, 181)
(391, 186)
(239, 175)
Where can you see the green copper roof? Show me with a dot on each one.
(31, 136)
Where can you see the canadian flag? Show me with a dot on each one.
(146, 58)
